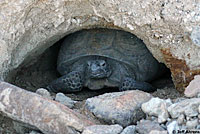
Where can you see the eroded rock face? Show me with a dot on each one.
(168, 28)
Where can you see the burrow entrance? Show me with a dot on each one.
(40, 73)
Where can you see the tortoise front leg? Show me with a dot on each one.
(71, 82)
(131, 84)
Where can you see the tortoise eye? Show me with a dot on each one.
(103, 64)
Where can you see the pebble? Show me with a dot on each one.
(103, 129)
(195, 35)
(181, 119)
(129, 130)
(188, 107)
(198, 127)
(146, 126)
(199, 116)
(198, 95)
(44, 93)
(192, 124)
(199, 109)
(67, 101)
(157, 107)
(122, 108)
(173, 127)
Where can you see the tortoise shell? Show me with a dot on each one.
(114, 44)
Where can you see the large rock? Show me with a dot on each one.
(170, 29)
(121, 108)
(48, 116)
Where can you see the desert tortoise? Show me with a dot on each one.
(100, 58)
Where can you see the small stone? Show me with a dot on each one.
(198, 116)
(198, 126)
(163, 126)
(188, 118)
(195, 35)
(173, 127)
(193, 89)
(103, 129)
(198, 95)
(181, 119)
(157, 107)
(145, 126)
(60, 97)
(199, 109)
(169, 119)
(188, 107)
(183, 127)
(157, 132)
(129, 130)
(44, 93)
(153, 118)
(122, 108)
(192, 124)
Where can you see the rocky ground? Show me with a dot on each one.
(113, 112)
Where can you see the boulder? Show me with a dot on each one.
(48, 116)
(170, 29)
(121, 108)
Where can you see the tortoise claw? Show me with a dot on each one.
(131, 84)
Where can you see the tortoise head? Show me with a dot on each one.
(97, 69)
